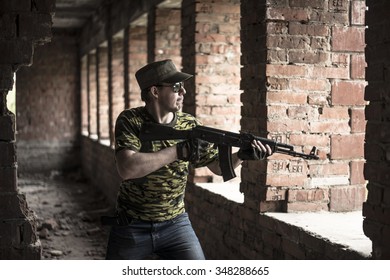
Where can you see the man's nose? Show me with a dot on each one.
(182, 90)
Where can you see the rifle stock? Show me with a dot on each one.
(225, 140)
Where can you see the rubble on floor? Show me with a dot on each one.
(68, 212)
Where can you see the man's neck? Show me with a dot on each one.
(158, 116)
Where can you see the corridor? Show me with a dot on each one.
(301, 72)
(68, 212)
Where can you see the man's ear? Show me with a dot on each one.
(154, 91)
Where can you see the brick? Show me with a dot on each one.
(328, 181)
(273, 194)
(335, 168)
(347, 198)
(274, 70)
(307, 207)
(287, 125)
(347, 146)
(308, 195)
(334, 113)
(277, 56)
(289, 97)
(317, 99)
(340, 59)
(285, 42)
(288, 14)
(308, 56)
(297, 28)
(338, 6)
(358, 66)
(331, 72)
(308, 140)
(335, 18)
(331, 126)
(277, 27)
(348, 39)
(286, 180)
(277, 112)
(308, 84)
(274, 83)
(358, 12)
(358, 121)
(298, 112)
(348, 93)
(316, 4)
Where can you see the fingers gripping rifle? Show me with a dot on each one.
(225, 140)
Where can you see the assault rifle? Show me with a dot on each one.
(225, 140)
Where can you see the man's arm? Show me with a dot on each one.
(131, 164)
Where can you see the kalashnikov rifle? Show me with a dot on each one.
(224, 140)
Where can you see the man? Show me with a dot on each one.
(150, 204)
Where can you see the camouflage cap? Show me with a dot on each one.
(158, 72)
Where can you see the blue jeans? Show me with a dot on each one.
(173, 240)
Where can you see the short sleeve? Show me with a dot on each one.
(126, 133)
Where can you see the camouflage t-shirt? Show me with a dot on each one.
(158, 196)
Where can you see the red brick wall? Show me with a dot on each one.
(137, 59)
(303, 81)
(84, 92)
(237, 232)
(47, 105)
(118, 78)
(211, 50)
(377, 208)
(168, 35)
(103, 105)
(22, 27)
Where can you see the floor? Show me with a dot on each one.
(68, 212)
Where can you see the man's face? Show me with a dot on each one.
(171, 97)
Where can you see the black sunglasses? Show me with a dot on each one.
(176, 87)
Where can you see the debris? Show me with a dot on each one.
(68, 220)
